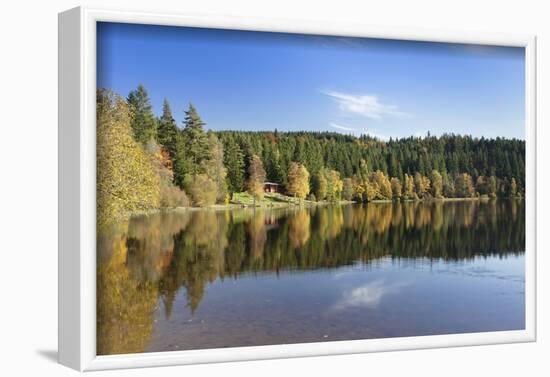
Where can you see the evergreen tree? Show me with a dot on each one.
(167, 130)
(195, 142)
(234, 163)
(143, 122)
(319, 183)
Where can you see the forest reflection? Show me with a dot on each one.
(143, 263)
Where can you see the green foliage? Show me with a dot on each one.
(228, 162)
(319, 183)
(168, 130)
(143, 120)
(126, 179)
(234, 163)
(195, 150)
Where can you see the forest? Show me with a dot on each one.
(146, 162)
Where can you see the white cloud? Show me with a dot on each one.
(358, 131)
(365, 105)
(368, 295)
(344, 128)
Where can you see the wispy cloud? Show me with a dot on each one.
(358, 131)
(366, 105)
(344, 128)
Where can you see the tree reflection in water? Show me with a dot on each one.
(145, 262)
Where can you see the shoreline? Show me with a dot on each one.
(307, 204)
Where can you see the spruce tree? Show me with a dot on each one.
(167, 129)
(195, 142)
(143, 121)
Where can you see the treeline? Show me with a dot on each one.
(167, 165)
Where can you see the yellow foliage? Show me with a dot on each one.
(298, 180)
(126, 180)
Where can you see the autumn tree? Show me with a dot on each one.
(143, 122)
(396, 188)
(382, 185)
(436, 184)
(298, 180)
(171, 196)
(347, 189)
(421, 184)
(409, 187)
(320, 185)
(513, 187)
(215, 168)
(481, 185)
(492, 186)
(464, 187)
(334, 185)
(448, 186)
(126, 180)
(202, 188)
(256, 178)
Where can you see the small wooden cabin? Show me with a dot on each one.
(272, 187)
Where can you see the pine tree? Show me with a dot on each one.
(195, 142)
(143, 122)
(167, 129)
(234, 162)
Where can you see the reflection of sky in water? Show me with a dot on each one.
(383, 299)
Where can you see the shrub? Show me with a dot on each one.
(202, 189)
(171, 196)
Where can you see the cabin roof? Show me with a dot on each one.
(272, 183)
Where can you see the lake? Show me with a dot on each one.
(195, 279)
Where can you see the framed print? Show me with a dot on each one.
(239, 189)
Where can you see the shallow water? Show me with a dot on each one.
(207, 279)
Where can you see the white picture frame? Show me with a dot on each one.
(77, 195)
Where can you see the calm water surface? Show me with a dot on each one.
(204, 279)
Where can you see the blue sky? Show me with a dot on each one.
(262, 81)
